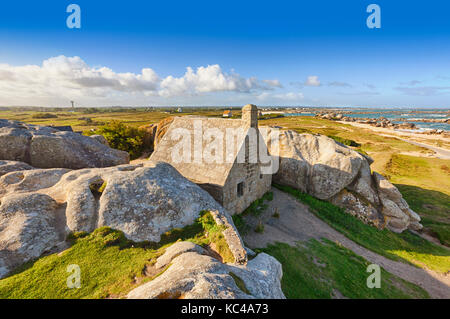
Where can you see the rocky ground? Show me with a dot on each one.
(41, 207)
(194, 274)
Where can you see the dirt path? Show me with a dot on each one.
(297, 223)
(439, 152)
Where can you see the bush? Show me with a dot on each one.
(123, 137)
(270, 116)
(44, 116)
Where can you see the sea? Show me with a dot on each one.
(394, 115)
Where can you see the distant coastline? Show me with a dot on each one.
(423, 119)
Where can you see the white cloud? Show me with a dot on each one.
(212, 79)
(70, 77)
(312, 80)
(62, 78)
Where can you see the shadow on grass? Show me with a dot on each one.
(433, 207)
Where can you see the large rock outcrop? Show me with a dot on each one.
(328, 170)
(39, 207)
(11, 166)
(322, 167)
(193, 274)
(46, 147)
(28, 228)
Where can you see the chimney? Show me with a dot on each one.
(250, 115)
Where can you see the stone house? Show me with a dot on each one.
(228, 165)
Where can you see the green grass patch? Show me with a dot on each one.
(439, 230)
(214, 233)
(361, 151)
(317, 269)
(255, 209)
(403, 247)
(97, 188)
(110, 265)
(433, 207)
(240, 224)
(239, 283)
(422, 172)
(259, 228)
(344, 141)
(258, 206)
(409, 166)
(276, 214)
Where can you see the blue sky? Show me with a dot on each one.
(239, 52)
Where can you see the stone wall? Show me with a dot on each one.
(255, 184)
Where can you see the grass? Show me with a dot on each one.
(102, 188)
(255, 209)
(426, 173)
(240, 224)
(276, 214)
(433, 207)
(401, 247)
(97, 188)
(439, 230)
(259, 228)
(214, 234)
(345, 141)
(317, 269)
(239, 283)
(258, 206)
(99, 117)
(425, 185)
(111, 265)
